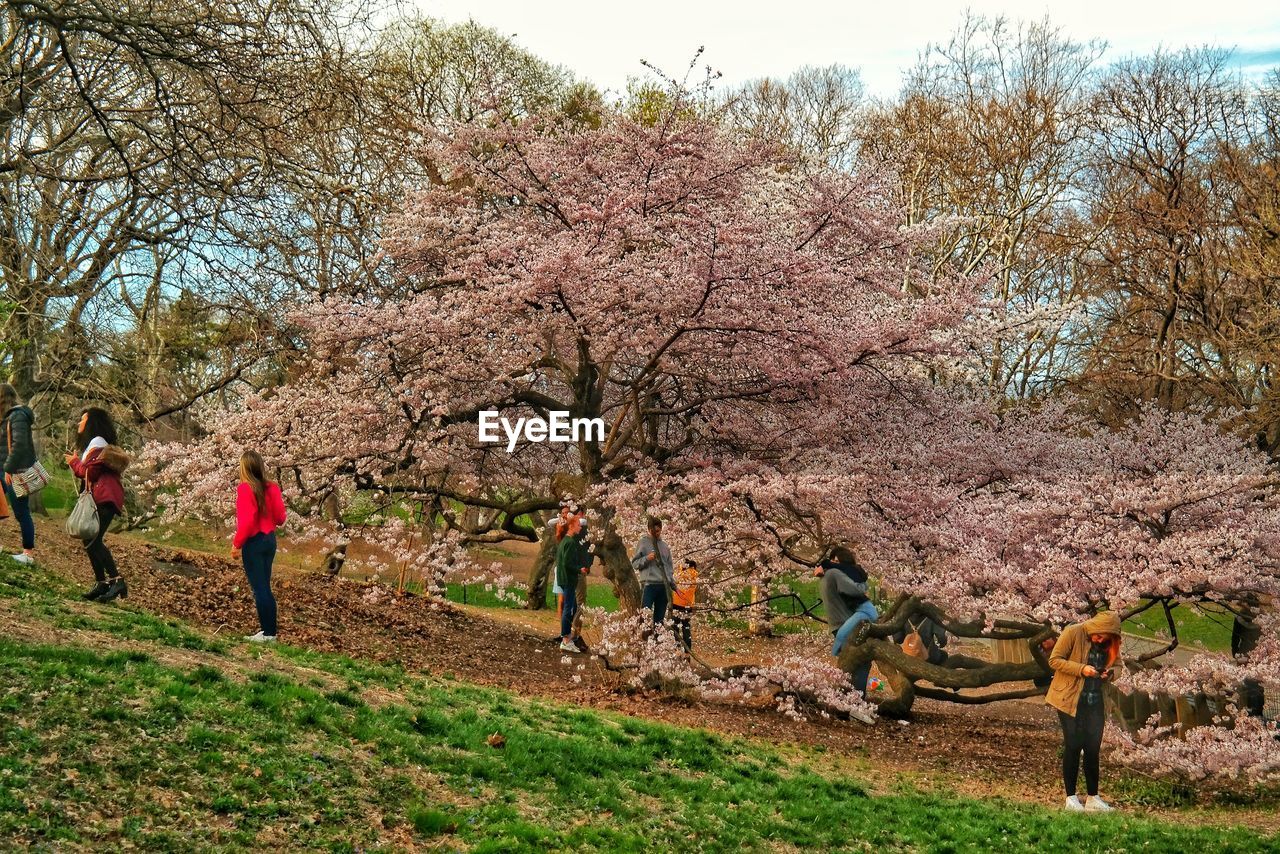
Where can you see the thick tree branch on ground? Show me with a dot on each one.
(977, 699)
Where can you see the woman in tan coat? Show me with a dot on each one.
(1081, 662)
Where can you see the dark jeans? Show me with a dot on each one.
(22, 512)
(654, 597)
(258, 553)
(682, 617)
(1082, 733)
(569, 611)
(104, 565)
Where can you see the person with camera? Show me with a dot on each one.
(1082, 661)
(573, 562)
(652, 563)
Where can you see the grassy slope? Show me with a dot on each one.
(131, 728)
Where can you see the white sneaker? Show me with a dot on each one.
(1073, 804)
(260, 638)
(568, 646)
(23, 557)
(1096, 804)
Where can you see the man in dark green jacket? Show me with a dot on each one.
(573, 559)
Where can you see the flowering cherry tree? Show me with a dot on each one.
(775, 375)
(697, 293)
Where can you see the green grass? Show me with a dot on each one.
(153, 756)
(598, 596)
(1143, 791)
(60, 493)
(1209, 628)
(189, 536)
(110, 748)
(47, 598)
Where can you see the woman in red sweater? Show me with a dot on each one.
(99, 464)
(259, 509)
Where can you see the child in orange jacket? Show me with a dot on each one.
(682, 597)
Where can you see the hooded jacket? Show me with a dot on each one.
(1070, 654)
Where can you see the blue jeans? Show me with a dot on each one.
(569, 611)
(866, 612)
(258, 553)
(22, 512)
(654, 597)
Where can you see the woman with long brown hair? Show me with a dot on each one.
(99, 463)
(259, 509)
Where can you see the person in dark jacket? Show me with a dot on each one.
(99, 464)
(575, 516)
(844, 597)
(932, 636)
(17, 454)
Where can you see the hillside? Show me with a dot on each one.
(149, 723)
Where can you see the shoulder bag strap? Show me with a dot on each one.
(88, 484)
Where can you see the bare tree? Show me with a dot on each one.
(815, 111)
(1161, 277)
(127, 127)
(987, 138)
(163, 157)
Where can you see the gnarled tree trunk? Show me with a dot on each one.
(544, 565)
(615, 559)
(873, 642)
(760, 617)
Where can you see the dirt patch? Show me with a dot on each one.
(176, 567)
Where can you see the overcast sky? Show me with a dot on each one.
(604, 42)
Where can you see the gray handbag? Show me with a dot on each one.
(83, 521)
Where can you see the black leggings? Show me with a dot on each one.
(1081, 733)
(104, 565)
(681, 620)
